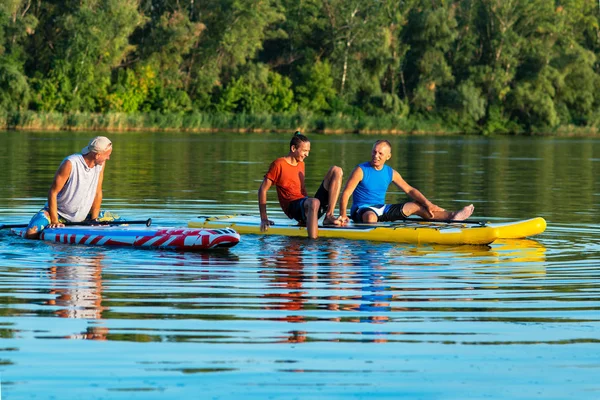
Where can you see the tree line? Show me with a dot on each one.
(479, 66)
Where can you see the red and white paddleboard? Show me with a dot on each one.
(185, 239)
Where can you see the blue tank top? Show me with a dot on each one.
(372, 188)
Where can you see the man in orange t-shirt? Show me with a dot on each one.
(287, 173)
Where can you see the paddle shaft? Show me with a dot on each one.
(146, 222)
(446, 221)
(411, 220)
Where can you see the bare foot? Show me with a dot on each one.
(331, 220)
(464, 213)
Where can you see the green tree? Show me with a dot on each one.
(391, 51)
(352, 31)
(93, 40)
(316, 93)
(236, 31)
(381, 76)
(16, 24)
(578, 36)
(133, 89)
(258, 90)
(165, 45)
(431, 31)
(301, 35)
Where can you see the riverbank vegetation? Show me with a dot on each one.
(472, 66)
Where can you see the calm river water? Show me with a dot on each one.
(278, 317)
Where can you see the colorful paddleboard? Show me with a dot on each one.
(413, 231)
(184, 239)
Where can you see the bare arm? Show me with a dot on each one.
(262, 204)
(355, 177)
(303, 188)
(414, 194)
(95, 210)
(60, 179)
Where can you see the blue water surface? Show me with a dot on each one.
(292, 318)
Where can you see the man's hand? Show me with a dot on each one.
(264, 224)
(432, 209)
(344, 220)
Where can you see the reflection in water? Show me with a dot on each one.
(77, 287)
(371, 278)
(77, 284)
(521, 254)
(367, 284)
(285, 270)
(520, 251)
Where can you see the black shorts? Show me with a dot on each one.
(296, 208)
(384, 212)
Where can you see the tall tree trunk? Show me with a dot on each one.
(345, 68)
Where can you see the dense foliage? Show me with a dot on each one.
(486, 66)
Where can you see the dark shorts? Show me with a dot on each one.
(296, 208)
(384, 212)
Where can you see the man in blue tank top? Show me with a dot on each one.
(368, 184)
(76, 191)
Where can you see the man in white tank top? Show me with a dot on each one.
(76, 191)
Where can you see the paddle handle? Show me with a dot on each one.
(146, 222)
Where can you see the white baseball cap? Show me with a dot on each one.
(99, 144)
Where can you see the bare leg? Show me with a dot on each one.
(311, 209)
(460, 215)
(333, 184)
(32, 233)
(369, 217)
(37, 224)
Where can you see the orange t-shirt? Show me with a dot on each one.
(289, 181)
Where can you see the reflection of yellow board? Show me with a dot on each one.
(517, 258)
(400, 231)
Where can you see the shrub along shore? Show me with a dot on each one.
(258, 123)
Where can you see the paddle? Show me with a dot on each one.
(412, 220)
(446, 221)
(146, 222)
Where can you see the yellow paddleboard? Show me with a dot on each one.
(413, 231)
(519, 229)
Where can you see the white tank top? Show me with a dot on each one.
(77, 196)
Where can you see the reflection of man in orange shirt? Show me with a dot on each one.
(289, 270)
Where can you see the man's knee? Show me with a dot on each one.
(337, 172)
(311, 205)
(32, 233)
(411, 208)
(369, 217)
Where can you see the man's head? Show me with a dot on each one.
(299, 146)
(99, 148)
(382, 151)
